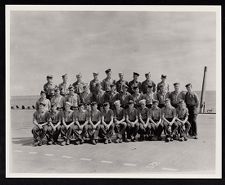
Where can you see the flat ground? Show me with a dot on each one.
(149, 156)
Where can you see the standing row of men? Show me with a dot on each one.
(78, 94)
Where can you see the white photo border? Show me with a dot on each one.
(156, 8)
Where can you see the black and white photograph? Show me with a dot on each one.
(113, 91)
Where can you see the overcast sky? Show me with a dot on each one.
(177, 44)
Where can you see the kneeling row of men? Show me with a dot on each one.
(79, 125)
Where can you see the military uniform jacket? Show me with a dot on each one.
(73, 99)
(119, 85)
(55, 117)
(78, 87)
(192, 101)
(166, 86)
(124, 98)
(175, 97)
(45, 101)
(155, 113)
(182, 113)
(63, 87)
(106, 84)
(133, 84)
(86, 97)
(93, 83)
(145, 85)
(58, 100)
(41, 117)
(48, 88)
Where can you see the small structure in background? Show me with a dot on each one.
(12, 107)
(33, 106)
(17, 107)
(28, 107)
(203, 91)
(23, 107)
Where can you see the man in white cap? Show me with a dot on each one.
(72, 97)
(49, 87)
(175, 96)
(163, 83)
(147, 82)
(120, 122)
(40, 121)
(134, 83)
(93, 83)
(79, 84)
(43, 100)
(107, 81)
(120, 83)
(145, 127)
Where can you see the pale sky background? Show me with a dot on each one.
(176, 44)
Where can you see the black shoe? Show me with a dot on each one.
(49, 142)
(185, 139)
(159, 138)
(109, 141)
(195, 137)
(167, 139)
(68, 142)
(36, 143)
(93, 142)
(106, 141)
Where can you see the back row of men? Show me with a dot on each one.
(110, 91)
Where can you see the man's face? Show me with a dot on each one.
(124, 89)
(106, 107)
(57, 92)
(50, 80)
(85, 89)
(188, 88)
(71, 91)
(41, 108)
(135, 77)
(154, 105)
(167, 103)
(78, 78)
(67, 107)
(136, 90)
(109, 74)
(121, 76)
(131, 106)
(43, 95)
(54, 108)
(65, 78)
(95, 76)
(113, 88)
(147, 76)
(81, 108)
(143, 105)
(163, 79)
(94, 107)
(117, 106)
(149, 89)
(177, 88)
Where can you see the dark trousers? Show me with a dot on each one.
(104, 132)
(193, 121)
(120, 130)
(71, 133)
(132, 130)
(157, 130)
(144, 130)
(90, 132)
(170, 130)
(53, 134)
(184, 129)
(161, 106)
(38, 133)
(149, 106)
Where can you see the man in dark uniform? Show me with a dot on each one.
(107, 126)
(119, 120)
(182, 119)
(155, 119)
(40, 121)
(164, 83)
(49, 87)
(120, 83)
(124, 97)
(169, 120)
(134, 83)
(107, 81)
(111, 96)
(98, 97)
(145, 127)
(146, 83)
(176, 95)
(192, 102)
(132, 121)
(63, 87)
(54, 124)
(93, 83)
(79, 84)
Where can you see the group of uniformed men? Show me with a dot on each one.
(82, 112)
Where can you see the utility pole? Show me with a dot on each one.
(203, 90)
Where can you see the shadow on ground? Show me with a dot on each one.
(25, 141)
